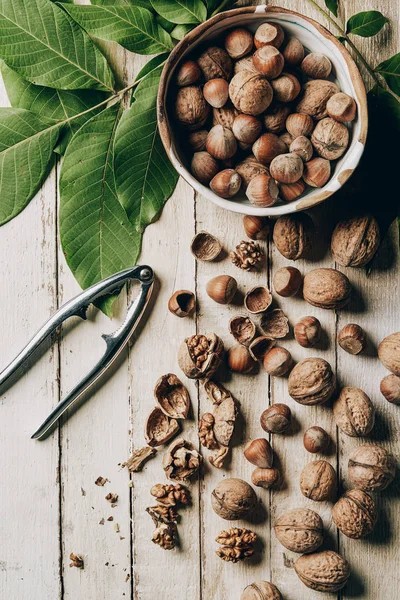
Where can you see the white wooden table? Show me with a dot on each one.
(49, 503)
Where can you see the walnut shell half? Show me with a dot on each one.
(323, 571)
(274, 324)
(300, 530)
(311, 381)
(172, 396)
(326, 288)
(371, 468)
(354, 412)
(354, 242)
(200, 355)
(181, 460)
(355, 514)
(159, 428)
(225, 415)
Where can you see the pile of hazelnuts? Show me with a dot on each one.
(268, 121)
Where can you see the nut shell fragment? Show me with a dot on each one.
(243, 329)
(300, 530)
(274, 324)
(258, 299)
(205, 246)
(181, 460)
(323, 571)
(138, 459)
(355, 514)
(225, 415)
(159, 428)
(172, 396)
(260, 347)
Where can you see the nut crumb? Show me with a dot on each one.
(116, 527)
(101, 481)
(110, 519)
(121, 537)
(101, 522)
(138, 459)
(83, 492)
(77, 561)
(112, 498)
(127, 578)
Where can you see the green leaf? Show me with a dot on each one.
(179, 31)
(332, 5)
(96, 235)
(42, 43)
(380, 102)
(152, 65)
(26, 149)
(390, 70)
(366, 24)
(144, 176)
(134, 28)
(181, 12)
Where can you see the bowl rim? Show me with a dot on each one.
(164, 128)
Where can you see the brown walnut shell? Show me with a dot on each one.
(390, 388)
(292, 235)
(355, 514)
(200, 355)
(323, 571)
(371, 468)
(191, 109)
(260, 347)
(354, 242)
(315, 94)
(261, 590)
(389, 352)
(326, 288)
(225, 415)
(243, 329)
(250, 93)
(300, 530)
(318, 481)
(274, 324)
(248, 169)
(205, 246)
(181, 460)
(233, 499)
(159, 428)
(215, 391)
(311, 381)
(172, 396)
(215, 63)
(354, 412)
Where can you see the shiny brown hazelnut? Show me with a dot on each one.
(354, 412)
(312, 382)
(341, 107)
(250, 168)
(243, 329)
(300, 530)
(259, 453)
(250, 93)
(287, 281)
(191, 109)
(314, 97)
(352, 339)
(355, 514)
(262, 191)
(371, 468)
(330, 138)
(216, 92)
(325, 571)
(268, 61)
(224, 116)
(182, 303)
(233, 499)
(287, 139)
(239, 42)
(267, 147)
(316, 66)
(293, 52)
(215, 63)
(260, 347)
(307, 332)
(286, 87)
(293, 235)
(316, 440)
(226, 183)
(246, 128)
(204, 167)
(286, 168)
(291, 191)
(274, 324)
(355, 241)
(256, 228)
(275, 117)
(317, 172)
(390, 388)
(221, 142)
(326, 288)
(278, 362)
(188, 73)
(261, 590)
(240, 360)
(222, 289)
(302, 147)
(266, 478)
(318, 481)
(197, 140)
(257, 299)
(205, 246)
(298, 124)
(269, 34)
(276, 418)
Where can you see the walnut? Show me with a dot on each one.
(355, 514)
(191, 109)
(206, 432)
(274, 324)
(165, 536)
(250, 92)
(163, 514)
(233, 499)
(261, 590)
(330, 138)
(371, 468)
(217, 459)
(292, 235)
(77, 561)
(250, 168)
(323, 571)
(248, 256)
(237, 544)
(354, 242)
(326, 288)
(169, 494)
(354, 412)
(200, 355)
(389, 353)
(215, 63)
(314, 96)
(224, 116)
(311, 381)
(181, 460)
(138, 459)
(172, 396)
(300, 530)
(318, 480)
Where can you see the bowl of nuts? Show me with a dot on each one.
(262, 111)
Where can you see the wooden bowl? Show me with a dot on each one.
(315, 38)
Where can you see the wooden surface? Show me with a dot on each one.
(49, 503)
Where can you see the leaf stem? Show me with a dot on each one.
(220, 8)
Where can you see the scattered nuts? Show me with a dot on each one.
(286, 87)
(239, 42)
(274, 324)
(242, 329)
(222, 289)
(371, 468)
(287, 281)
(216, 92)
(246, 128)
(291, 191)
(307, 332)
(354, 412)
(314, 97)
(226, 183)
(276, 115)
(341, 107)
(354, 242)
(268, 61)
(267, 147)
(323, 571)
(266, 478)
(197, 140)
(326, 288)
(237, 544)
(199, 356)
(389, 353)
(316, 440)
(260, 347)
(138, 459)
(181, 460)
(262, 191)
(293, 52)
(191, 109)
(302, 147)
(257, 299)
(261, 590)
(250, 93)
(316, 66)
(355, 514)
(287, 168)
(215, 63)
(240, 360)
(292, 235)
(276, 418)
(318, 481)
(182, 303)
(221, 142)
(256, 228)
(159, 428)
(311, 381)
(233, 499)
(188, 73)
(205, 246)
(300, 530)
(317, 172)
(204, 167)
(259, 453)
(248, 169)
(172, 396)
(390, 388)
(352, 339)
(269, 34)
(278, 362)
(248, 256)
(330, 138)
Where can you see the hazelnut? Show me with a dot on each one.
(205, 246)
(222, 289)
(172, 396)
(216, 92)
(260, 347)
(307, 332)
(215, 63)
(246, 128)
(287, 281)
(261, 590)
(326, 288)
(240, 360)
(276, 418)
(315, 94)
(197, 140)
(268, 61)
(355, 514)
(256, 228)
(244, 64)
(316, 172)
(302, 147)
(274, 324)
(233, 499)
(311, 381)
(287, 139)
(226, 183)
(276, 116)
(199, 356)
(249, 168)
(257, 299)
(224, 116)
(293, 52)
(259, 453)
(292, 235)
(318, 481)
(269, 34)
(352, 339)
(204, 167)
(182, 303)
(316, 440)
(286, 168)
(191, 109)
(262, 191)
(323, 571)
(278, 362)
(188, 73)
(239, 42)
(371, 468)
(298, 124)
(316, 66)
(286, 87)
(389, 353)
(355, 241)
(330, 138)
(390, 388)
(291, 191)
(300, 530)
(354, 412)
(267, 147)
(266, 478)
(250, 93)
(221, 143)
(341, 107)
(159, 428)
(243, 329)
